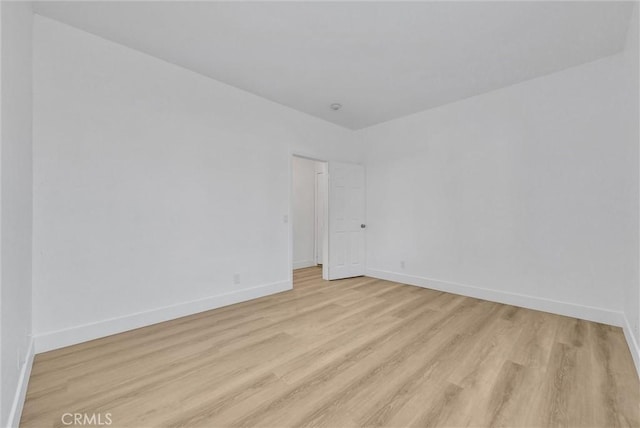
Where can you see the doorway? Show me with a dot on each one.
(308, 211)
(327, 217)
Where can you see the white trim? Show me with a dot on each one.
(303, 264)
(21, 391)
(633, 344)
(82, 333)
(589, 313)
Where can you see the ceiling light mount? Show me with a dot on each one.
(335, 106)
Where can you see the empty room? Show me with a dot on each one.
(319, 213)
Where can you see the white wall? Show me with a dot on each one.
(15, 207)
(527, 195)
(153, 187)
(631, 60)
(321, 210)
(303, 211)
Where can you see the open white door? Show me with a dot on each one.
(346, 221)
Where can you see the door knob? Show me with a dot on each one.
(362, 226)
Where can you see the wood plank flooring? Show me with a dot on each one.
(356, 352)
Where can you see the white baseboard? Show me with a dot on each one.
(303, 264)
(70, 336)
(21, 390)
(589, 313)
(633, 344)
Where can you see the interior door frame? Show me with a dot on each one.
(320, 176)
(325, 234)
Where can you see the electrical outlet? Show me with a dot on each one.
(285, 219)
(402, 264)
(236, 278)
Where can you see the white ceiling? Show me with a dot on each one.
(380, 60)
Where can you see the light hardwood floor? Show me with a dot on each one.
(356, 352)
